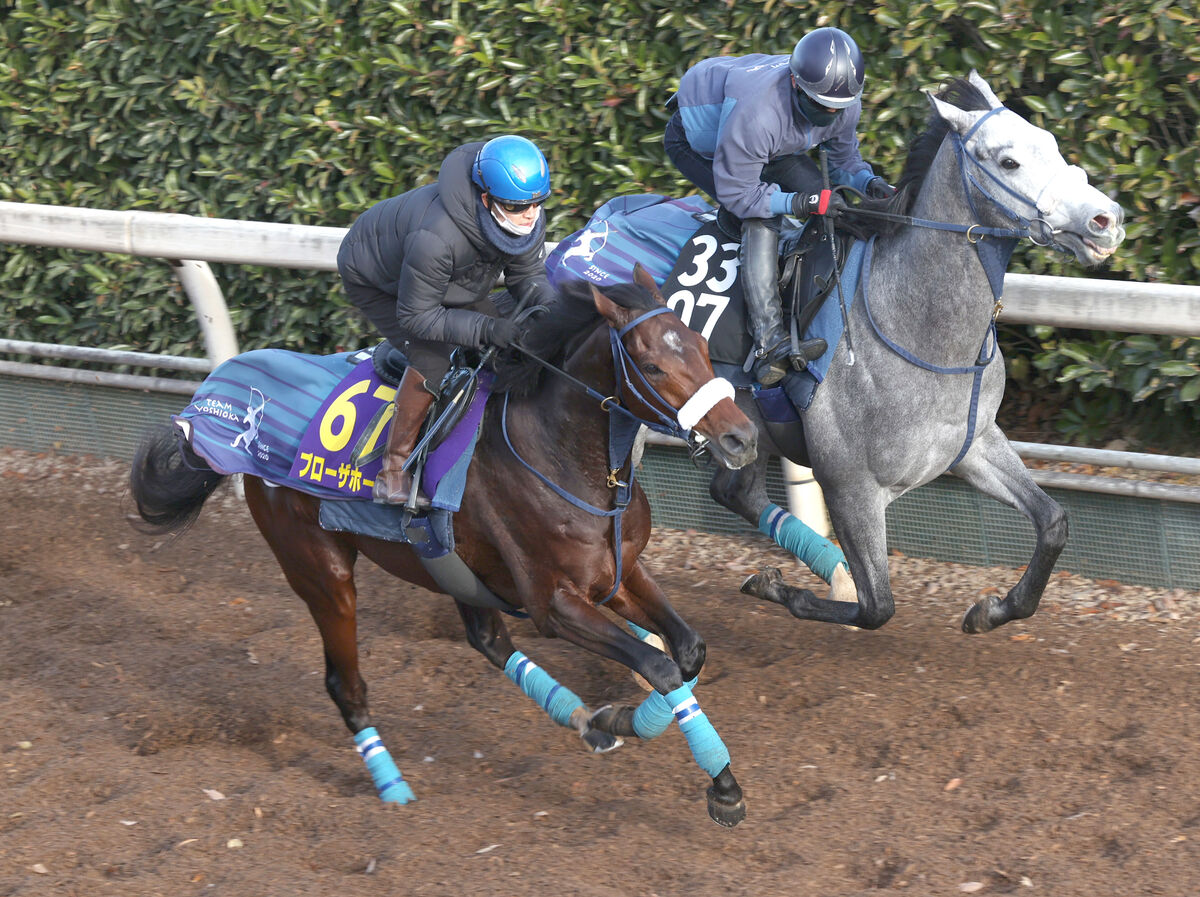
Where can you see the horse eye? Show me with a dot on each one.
(652, 370)
(1010, 163)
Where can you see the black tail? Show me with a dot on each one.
(169, 488)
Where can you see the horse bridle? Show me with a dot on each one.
(975, 233)
(624, 425)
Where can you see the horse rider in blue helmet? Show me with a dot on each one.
(741, 130)
(421, 266)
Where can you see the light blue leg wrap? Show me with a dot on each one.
(789, 532)
(707, 747)
(558, 701)
(388, 782)
(637, 630)
(654, 715)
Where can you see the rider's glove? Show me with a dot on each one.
(501, 333)
(824, 203)
(878, 188)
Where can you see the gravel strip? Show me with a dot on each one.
(720, 559)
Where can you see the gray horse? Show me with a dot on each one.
(918, 394)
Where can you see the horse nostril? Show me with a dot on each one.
(1099, 224)
(733, 444)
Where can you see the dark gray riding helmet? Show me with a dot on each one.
(828, 66)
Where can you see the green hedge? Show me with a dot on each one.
(307, 111)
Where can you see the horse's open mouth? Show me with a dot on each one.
(1102, 251)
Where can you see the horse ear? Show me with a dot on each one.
(643, 279)
(958, 119)
(616, 316)
(982, 86)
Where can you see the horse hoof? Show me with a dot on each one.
(615, 720)
(599, 742)
(842, 586)
(761, 584)
(983, 616)
(727, 815)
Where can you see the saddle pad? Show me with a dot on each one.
(431, 535)
(704, 289)
(312, 423)
(646, 228)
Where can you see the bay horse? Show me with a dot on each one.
(915, 395)
(538, 525)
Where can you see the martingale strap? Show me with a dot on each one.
(623, 426)
(987, 351)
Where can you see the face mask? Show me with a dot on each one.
(815, 113)
(507, 224)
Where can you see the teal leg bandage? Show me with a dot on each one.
(707, 747)
(559, 702)
(388, 782)
(821, 555)
(637, 630)
(654, 715)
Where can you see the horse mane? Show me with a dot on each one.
(923, 148)
(556, 329)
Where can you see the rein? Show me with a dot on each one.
(623, 426)
(993, 257)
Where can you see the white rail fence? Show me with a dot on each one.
(190, 242)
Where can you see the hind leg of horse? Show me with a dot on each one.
(858, 517)
(488, 635)
(744, 492)
(572, 617)
(319, 566)
(994, 467)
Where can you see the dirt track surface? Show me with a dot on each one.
(164, 730)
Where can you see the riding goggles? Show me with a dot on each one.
(515, 207)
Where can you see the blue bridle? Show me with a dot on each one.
(993, 256)
(623, 426)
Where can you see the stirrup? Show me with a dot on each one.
(770, 364)
(808, 350)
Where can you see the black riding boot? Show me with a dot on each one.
(393, 486)
(760, 289)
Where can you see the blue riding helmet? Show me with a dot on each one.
(828, 66)
(512, 169)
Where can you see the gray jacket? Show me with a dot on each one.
(437, 249)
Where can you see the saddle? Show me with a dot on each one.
(454, 397)
(807, 274)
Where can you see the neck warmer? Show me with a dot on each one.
(814, 112)
(506, 242)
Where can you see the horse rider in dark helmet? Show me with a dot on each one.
(421, 266)
(741, 131)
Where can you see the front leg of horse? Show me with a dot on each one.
(642, 602)
(994, 467)
(573, 618)
(488, 635)
(744, 492)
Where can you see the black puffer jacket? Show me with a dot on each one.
(437, 249)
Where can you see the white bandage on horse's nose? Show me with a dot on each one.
(703, 400)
